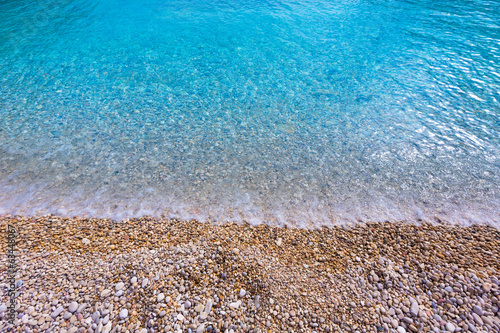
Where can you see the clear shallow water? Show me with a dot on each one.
(298, 112)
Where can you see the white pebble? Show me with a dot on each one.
(200, 328)
(160, 297)
(85, 241)
(257, 301)
(81, 308)
(242, 292)
(119, 286)
(105, 292)
(450, 327)
(208, 307)
(235, 305)
(57, 312)
(414, 308)
(144, 282)
(123, 314)
(133, 280)
(107, 328)
(73, 306)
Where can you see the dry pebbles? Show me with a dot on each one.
(148, 275)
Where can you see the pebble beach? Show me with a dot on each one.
(160, 275)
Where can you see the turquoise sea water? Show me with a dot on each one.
(298, 112)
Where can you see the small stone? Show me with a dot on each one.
(107, 328)
(3, 308)
(57, 312)
(105, 293)
(160, 297)
(242, 292)
(235, 305)
(119, 293)
(123, 314)
(162, 313)
(95, 316)
(133, 280)
(401, 329)
(85, 241)
(208, 307)
(279, 241)
(199, 308)
(236, 251)
(119, 286)
(450, 327)
(413, 328)
(487, 320)
(25, 319)
(201, 329)
(203, 315)
(257, 301)
(477, 319)
(414, 309)
(144, 282)
(478, 310)
(67, 315)
(487, 287)
(187, 304)
(73, 307)
(180, 317)
(81, 308)
(73, 329)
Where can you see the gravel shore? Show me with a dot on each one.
(151, 275)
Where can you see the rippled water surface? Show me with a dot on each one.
(293, 112)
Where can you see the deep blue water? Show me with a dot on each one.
(298, 112)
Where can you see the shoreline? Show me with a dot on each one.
(371, 277)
